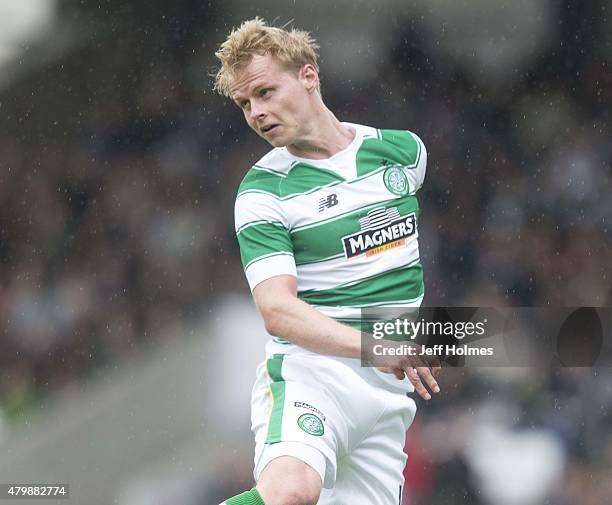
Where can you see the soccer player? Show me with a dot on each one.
(327, 225)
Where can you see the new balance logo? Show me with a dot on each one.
(328, 201)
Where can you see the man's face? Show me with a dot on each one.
(274, 100)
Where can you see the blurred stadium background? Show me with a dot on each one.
(128, 340)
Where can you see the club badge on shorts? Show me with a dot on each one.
(311, 424)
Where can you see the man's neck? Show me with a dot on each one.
(324, 138)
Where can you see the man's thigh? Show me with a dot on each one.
(373, 470)
(291, 417)
(347, 426)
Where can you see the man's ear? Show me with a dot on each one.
(309, 76)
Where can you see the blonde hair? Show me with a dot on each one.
(291, 48)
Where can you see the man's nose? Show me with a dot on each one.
(257, 111)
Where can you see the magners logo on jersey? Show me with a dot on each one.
(381, 229)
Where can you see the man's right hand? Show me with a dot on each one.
(417, 368)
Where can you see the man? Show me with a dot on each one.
(326, 223)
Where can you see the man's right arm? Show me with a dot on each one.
(288, 317)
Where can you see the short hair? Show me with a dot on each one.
(291, 48)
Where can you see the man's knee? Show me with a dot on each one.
(288, 481)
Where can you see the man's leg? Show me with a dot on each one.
(374, 471)
(288, 481)
(284, 481)
(297, 432)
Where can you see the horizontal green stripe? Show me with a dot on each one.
(400, 284)
(324, 241)
(305, 176)
(268, 193)
(341, 255)
(351, 212)
(403, 147)
(275, 194)
(261, 180)
(261, 221)
(262, 239)
(300, 179)
(371, 156)
(396, 147)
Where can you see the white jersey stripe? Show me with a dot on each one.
(355, 312)
(269, 266)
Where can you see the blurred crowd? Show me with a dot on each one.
(116, 226)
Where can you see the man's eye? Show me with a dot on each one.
(264, 92)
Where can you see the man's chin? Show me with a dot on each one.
(276, 142)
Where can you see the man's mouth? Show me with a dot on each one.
(268, 128)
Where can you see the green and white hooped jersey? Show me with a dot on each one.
(346, 226)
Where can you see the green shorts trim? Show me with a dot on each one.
(274, 366)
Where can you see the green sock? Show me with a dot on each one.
(251, 497)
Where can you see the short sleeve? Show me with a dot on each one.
(416, 173)
(266, 249)
(410, 152)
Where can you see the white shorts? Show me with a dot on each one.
(323, 411)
